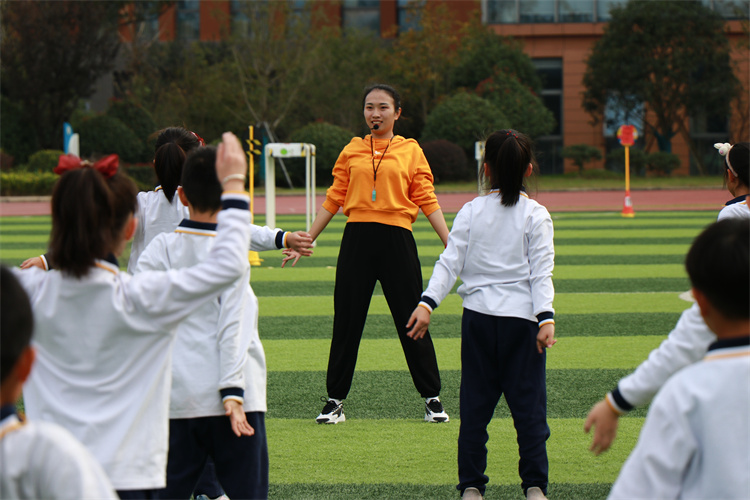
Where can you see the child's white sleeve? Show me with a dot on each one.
(665, 448)
(685, 345)
(166, 298)
(264, 238)
(232, 353)
(541, 263)
(451, 261)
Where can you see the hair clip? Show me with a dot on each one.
(510, 132)
(200, 139)
(106, 166)
(724, 149)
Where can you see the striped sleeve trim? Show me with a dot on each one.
(545, 318)
(280, 239)
(235, 200)
(429, 302)
(424, 304)
(232, 393)
(617, 402)
(45, 262)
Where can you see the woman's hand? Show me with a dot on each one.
(290, 254)
(301, 242)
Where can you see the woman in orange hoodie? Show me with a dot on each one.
(381, 181)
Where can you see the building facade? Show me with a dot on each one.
(558, 35)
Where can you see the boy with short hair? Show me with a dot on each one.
(37, 459)
(694, 442)
(218, 397)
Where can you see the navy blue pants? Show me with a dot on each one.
(373, 252)
(241, 462)
(499, 356)
(138, 494)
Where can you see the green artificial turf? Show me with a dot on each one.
(617, 284)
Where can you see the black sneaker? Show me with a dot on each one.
(332, 413)
(434, 412)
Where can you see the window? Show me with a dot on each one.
(238, 12)
(361, 14)
(300, 14)
(706, 130)
(409, 14)
(188, 20)
(549, 146)
(536, 11)
(576, 11)
(550, 11)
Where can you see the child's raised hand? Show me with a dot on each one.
(301, 242)
(290, 254)
(418, 322)
(231, 165)
(546, 337)
(32, 262)
(238, 419)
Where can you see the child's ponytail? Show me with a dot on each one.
(168, 163)
(88, 215)
(507, 154)
(172, 146)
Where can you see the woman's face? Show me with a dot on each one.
(381, 113)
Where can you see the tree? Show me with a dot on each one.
(581, 154)
(671, 56)
(52, 55)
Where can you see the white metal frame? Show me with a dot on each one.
(289, 150)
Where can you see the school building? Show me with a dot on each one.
(557, 34)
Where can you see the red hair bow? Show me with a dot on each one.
(107, 166)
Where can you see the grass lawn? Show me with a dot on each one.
(617, 281)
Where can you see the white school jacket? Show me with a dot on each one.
(685, 344)
(217, 353)
(156, 215)
(695, 440)
(504, 256)
(104, 344)
(43, 460)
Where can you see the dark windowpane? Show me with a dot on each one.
(502, 11)
(361, 14)
(576, 11)
(537, 11)
(603, 8)
(188, 20)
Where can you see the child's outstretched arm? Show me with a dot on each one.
(546, 337)
(237, 417)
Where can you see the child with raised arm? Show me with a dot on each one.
(216, 411)
(37, 459)
(501, 247)
(104, 337)
(694, 442)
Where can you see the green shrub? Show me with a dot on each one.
(103, 135)
(637, 160)
(17, 135)
(139, 121)
(662, 163)
(463, 119)
(27, 183)
(581, 154)
(524, 110)
(447, 161)
(329, 140)
(44, 160)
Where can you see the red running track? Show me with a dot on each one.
(555, 201)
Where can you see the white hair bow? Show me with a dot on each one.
(724, 148)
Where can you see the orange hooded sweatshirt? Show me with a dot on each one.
(403, 185)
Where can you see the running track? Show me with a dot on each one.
(555, 201)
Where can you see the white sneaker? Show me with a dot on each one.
(471, 494)
(332, 413)
(434, 412)
(535, 493)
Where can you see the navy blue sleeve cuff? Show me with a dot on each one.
(545, 318)
(621, 402)
(232, 391)
(234, 203)
(280, 239)
(427, 300)
(47, 261)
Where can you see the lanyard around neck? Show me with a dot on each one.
(374, 168)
